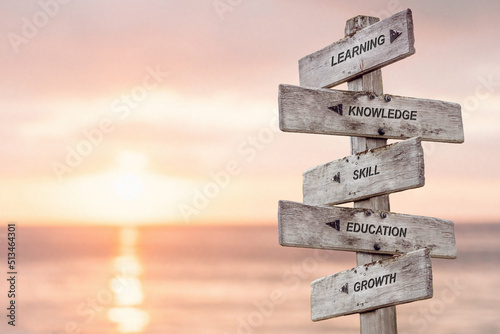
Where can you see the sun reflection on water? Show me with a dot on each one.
(127, 287)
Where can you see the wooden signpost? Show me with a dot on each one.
(373, 170)
(372, 286)
(380, 171)
(345, 113)
(363, 230)
(359, 52)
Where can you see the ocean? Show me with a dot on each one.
(220, 279)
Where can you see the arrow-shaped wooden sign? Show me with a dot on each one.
(363, 230)
(397, 280)
(380, 171)
(366, 50)
(364, 114)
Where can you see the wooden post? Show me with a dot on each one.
(380, 321)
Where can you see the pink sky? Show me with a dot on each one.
(214, 91)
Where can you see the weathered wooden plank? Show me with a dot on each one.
(360, 52)
(379, 171)
(353, 113)
(363, 230)
(397, 280)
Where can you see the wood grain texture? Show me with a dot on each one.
(380, 171)
(352, 57)
(363, 230)
(362, 113)
(393, 281)
(382, 320)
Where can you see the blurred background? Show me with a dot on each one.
(142, 163)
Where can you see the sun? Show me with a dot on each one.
(128, 181)
(128, 186)
(128, 192)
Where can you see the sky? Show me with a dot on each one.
(165, 112)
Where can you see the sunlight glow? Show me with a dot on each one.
(127, 286)
(128, 291)
(127, 193)
(129, 319)
(128, 186)
(131, 161)
(128, 265)
(109, 197)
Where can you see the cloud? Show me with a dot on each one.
(221, 86)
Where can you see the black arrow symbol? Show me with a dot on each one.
(394, 34)
(345, 288)
(337, 109)
(334, 224)
(336, 177)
